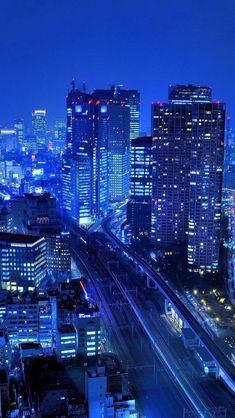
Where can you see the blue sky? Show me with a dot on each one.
(143, 44)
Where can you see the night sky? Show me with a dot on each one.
(143, 44)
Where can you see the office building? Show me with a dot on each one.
(22, 261)
(140, 202)
(41, 218)
(20, 132)
(66, 344)
(119, 152)
(8, 140)
(130, 98)
(85, 179)
(122, 127)
(59, 141)
(188, 141)
(5, 216)
(74, 307)
(39, 126)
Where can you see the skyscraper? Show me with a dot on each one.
(59, 141)
(85, 176)
(130, 98)
(188, 137)
(205, 193)
(124, 110)
(139, 204)
(39, 127)
(20, 131)
(118, 152)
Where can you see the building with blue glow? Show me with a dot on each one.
(126, 97)
(188, 142)
(66, 344)
(140, 202)
(119, 152)
(39, 125)
(23, 262)
(85, 176)
(20, 132)
(124, 126)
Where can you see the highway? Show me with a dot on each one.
(226, 366)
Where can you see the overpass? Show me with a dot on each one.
(226, 370)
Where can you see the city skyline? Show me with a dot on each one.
(117, 209)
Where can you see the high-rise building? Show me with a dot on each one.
(85, 176)
(140, 202)
(129, 98)
(22, 261)
(122, 127)
(39, 125)
(119, 152)
(20, 131)
(188, 140)
(205, 193)
(59, 141)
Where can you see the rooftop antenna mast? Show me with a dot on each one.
(84, 87)
(73, 84)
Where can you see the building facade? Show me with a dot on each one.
(39, 125)
(140, 202)
(22, 261)
(188, 142)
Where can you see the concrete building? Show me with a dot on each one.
(22, 261)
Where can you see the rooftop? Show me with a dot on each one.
(8, 237)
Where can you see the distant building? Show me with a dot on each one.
(22, 261)
(9, 140)
(41, 218)
(59, 141)
(39, 125)
(140, 202)
(5, 216)
(20, 132)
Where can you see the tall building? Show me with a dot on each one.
(124, 110)
(22, 261)
(20, 131)
(140, 202)
(59, 141)
(41, 218)
(85, 177)
(39, 125)
(188, 140)
(119, 152)
(130, 98)
(205, 193)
